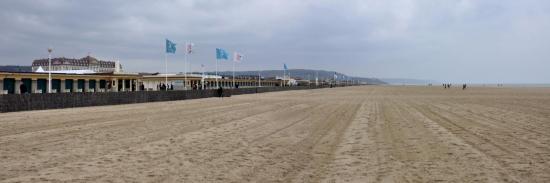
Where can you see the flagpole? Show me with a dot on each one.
(202, 77)
(185, 69)
(189, 70)
(233, 73)
(49, 70)
(166, 71)
(284, 77)
(217, 85)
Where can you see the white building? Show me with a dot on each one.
(86, 63)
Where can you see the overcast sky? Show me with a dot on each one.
(481, 41)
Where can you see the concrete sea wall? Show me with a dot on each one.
(25, 102)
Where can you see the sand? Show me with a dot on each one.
(354, 134)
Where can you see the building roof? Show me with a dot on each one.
(15, 68)
(84, 61)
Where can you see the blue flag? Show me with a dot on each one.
(170, 46)
(286, 68)
(221, 54)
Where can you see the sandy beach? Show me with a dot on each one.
(353, 134)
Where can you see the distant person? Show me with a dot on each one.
(171, 87)
(23, 88)
(463, 86)
(142, 87)
(220, 92)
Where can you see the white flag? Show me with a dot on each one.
(189, 48)
(237, 57)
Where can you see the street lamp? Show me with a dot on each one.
(259, 78)
(50, 70)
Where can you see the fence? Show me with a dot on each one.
(25, 102)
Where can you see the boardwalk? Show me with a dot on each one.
(361, 134)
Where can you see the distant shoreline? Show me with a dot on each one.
(512, 85)
(482, 85)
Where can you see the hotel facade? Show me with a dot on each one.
(89, 74)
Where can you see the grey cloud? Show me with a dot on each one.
(454, 40)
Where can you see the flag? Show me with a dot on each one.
(189, 48)
(335, 76)
(221, 54)
(237, 57)
(285, 67)
(170, 47)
